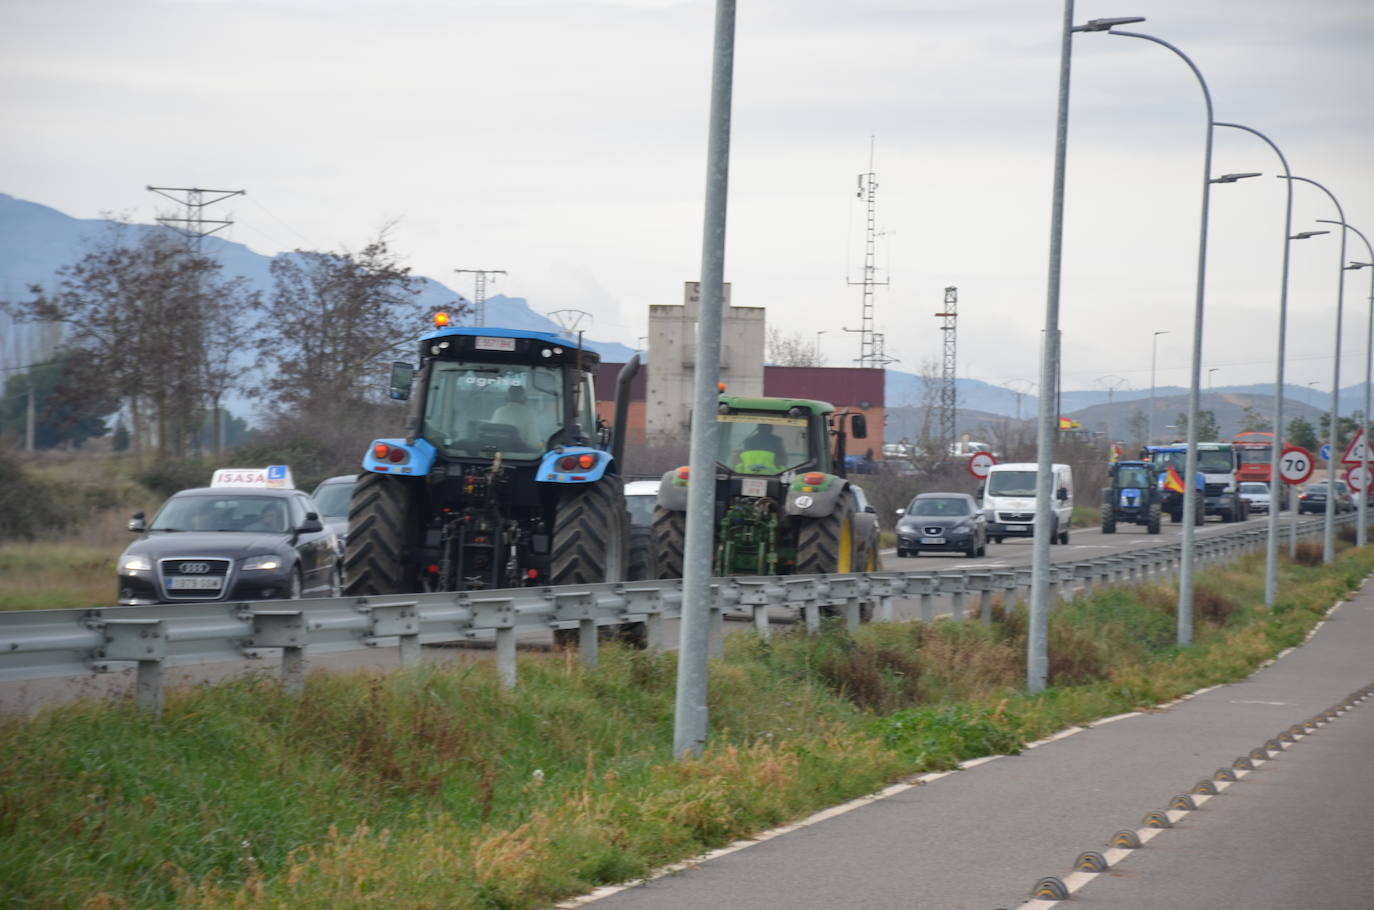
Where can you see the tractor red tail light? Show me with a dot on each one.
(683, 472)
(396, 456)
(813, 478)
(567, 463)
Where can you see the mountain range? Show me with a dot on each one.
(35, 241)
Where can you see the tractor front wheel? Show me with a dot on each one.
(1152, 525)
(382, 523)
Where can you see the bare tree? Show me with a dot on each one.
(795, 350)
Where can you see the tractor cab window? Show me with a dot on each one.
(482, 408)
(763, 443)
(1132, 477)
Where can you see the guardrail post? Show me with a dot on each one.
(587, 641)
(1004, 581)
(982, 583)
(144, 641)
(284, 629)
(505, 658)
(923, 586)
(401, 620)
(1023, 586)
(953, 585)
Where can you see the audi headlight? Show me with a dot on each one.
(135, 564)
(262, 562)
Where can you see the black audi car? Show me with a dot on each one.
(942, 522)
(230, 543)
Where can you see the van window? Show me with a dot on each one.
(1011, 483)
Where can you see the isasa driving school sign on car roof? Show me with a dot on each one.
(272, 477)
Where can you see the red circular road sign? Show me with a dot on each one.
(1357, 477)
(1295, 465)
(980, 464)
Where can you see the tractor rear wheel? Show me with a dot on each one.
(670, 541)
(1152, 525)
(382, 523)
(1108, 522)
(826, 545)
(590, 534)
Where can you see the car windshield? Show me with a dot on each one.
(1133, 477)
(226, 512)
(1215, 461)
(1012, 483)
(940, 506)
(484, 408)
(1253, 488)
(1317, 488)
(334, 499)
(767, 443)
(641, 508)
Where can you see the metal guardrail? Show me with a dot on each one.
(45, 643)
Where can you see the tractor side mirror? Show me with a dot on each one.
(859, 427)
(402, 375)
(137, 524)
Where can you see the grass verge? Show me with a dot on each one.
(434, 788)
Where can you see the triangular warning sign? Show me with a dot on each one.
(1355, 452)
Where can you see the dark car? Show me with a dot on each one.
(942, 522)
(1313, 499)
(333, 496)
(230, 543)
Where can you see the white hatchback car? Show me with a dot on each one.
(1257, 494)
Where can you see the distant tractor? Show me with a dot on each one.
(783, 504)
(502, 478)
(1132, 498)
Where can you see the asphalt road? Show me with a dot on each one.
(1293, 832)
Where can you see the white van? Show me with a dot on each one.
(1008, 498)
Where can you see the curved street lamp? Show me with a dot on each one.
(1185, 581)
(1329, 525)
(1361, 534)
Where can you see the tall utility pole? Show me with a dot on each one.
(1111, 384)
(479, 292)
(870, 347)
(949, 399)
(195, 226)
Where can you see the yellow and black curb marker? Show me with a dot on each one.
(1090, 864)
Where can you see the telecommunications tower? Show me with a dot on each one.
(949, 399)
(479, 292)
(870, 343)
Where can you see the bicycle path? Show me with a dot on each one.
(981, 837)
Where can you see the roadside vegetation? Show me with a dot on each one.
(433, 787)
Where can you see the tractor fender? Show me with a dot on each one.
(550, 472)
(419, 457)
(672, 492)
(816, 503)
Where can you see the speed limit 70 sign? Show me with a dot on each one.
(1295, 465)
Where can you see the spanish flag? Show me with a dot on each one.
(1172, 481)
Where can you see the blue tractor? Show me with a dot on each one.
(503, 476)
(1132, 498)
(1162, 458)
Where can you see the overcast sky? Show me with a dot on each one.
(564, 142)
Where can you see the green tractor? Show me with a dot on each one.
(1132, 498)
(783, 505)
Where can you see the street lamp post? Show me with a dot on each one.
(818, 347)
(1185, 582)
(1154, 350)
(1210, 371)
(1037, 657)
(1275, 483)
(1329, 525)
(1361, 535)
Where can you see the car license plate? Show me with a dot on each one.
(1018, 527)
(187, 583)
(754, 486)
(932, 540)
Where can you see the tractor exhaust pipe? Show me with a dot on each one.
(622, 410)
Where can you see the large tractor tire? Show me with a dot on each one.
(591, 534)
(1108, 521)
(642, 566)
(670, 541)
(1152, 523)
(382, 524)
(826, 545)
